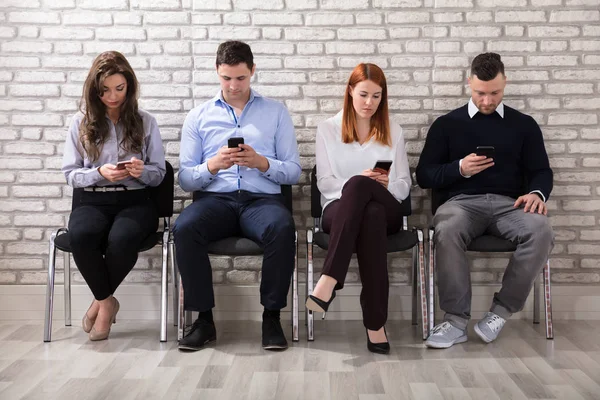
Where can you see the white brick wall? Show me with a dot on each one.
(304, 51)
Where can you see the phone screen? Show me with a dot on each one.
(487, 151)
(383, 166)
(234, 141)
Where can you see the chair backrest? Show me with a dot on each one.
(315, 199)
(162, 195)
(286, 192)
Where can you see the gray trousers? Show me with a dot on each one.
(465, 217)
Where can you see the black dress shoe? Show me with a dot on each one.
(200, 333)
(272, 334)
(379, 348)
(316, 304)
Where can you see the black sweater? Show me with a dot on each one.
(520, 161)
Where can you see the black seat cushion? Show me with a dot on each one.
(63, 242)
(489, 243)
(403, 240)
(234, 246)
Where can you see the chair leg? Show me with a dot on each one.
(415, 274)
(431, 281)
(548, 302)
(180, 310)
(536, 300)
(310, 333)
(174, 280)
(423, 287)
(50, 290)
(164, 287)
(67, 286)
(295, 334)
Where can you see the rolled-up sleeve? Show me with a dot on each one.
(285, 170)
(76, 174)
(154, 163)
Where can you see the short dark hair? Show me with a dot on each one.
(486, 66)
(234, 52)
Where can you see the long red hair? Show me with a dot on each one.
(380, 121)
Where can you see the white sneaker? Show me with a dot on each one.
(489, 327)
(445, 335)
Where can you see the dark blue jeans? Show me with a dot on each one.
(213, 216)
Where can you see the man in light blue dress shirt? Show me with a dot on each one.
(237, 192)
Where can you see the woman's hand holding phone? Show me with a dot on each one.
(377, 176)
(135, 167)
(111, 173)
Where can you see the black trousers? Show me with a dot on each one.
(106, 232)
(213, 216)
(360, 222)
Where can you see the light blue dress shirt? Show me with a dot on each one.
(264, 124)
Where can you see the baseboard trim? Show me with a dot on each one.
(142, 302)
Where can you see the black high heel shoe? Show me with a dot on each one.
(315, 304)
(379, 348)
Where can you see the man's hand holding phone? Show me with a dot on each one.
(479, 161)
(250, 158)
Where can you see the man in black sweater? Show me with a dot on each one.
(487, 164)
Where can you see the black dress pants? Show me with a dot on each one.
(360, 222)
(106, 232)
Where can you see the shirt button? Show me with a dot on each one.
(239, 126)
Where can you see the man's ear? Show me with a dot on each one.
(253, 69)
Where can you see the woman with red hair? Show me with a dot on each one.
(360, 202)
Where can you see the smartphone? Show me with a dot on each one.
(123, 164)
(487, 151)
(383, 166)
(234, 141)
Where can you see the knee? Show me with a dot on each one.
(449, 222)
(374, 214)
(83, 238)
(538, 229)
(357, 184)
(185, 227)
(281, 230)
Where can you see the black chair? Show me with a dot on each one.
(490, 244)
(163, 198)
(241, 246)
(401, 241)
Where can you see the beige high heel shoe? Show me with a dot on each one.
(95, 335)
(87, 323)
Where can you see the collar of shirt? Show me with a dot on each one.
(219, 97)
(474, 110)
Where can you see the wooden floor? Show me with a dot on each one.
(133, 364)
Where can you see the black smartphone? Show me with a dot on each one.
(487, 151)
(383, 166)
(234, 141)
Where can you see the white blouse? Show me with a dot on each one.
(338, 161)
